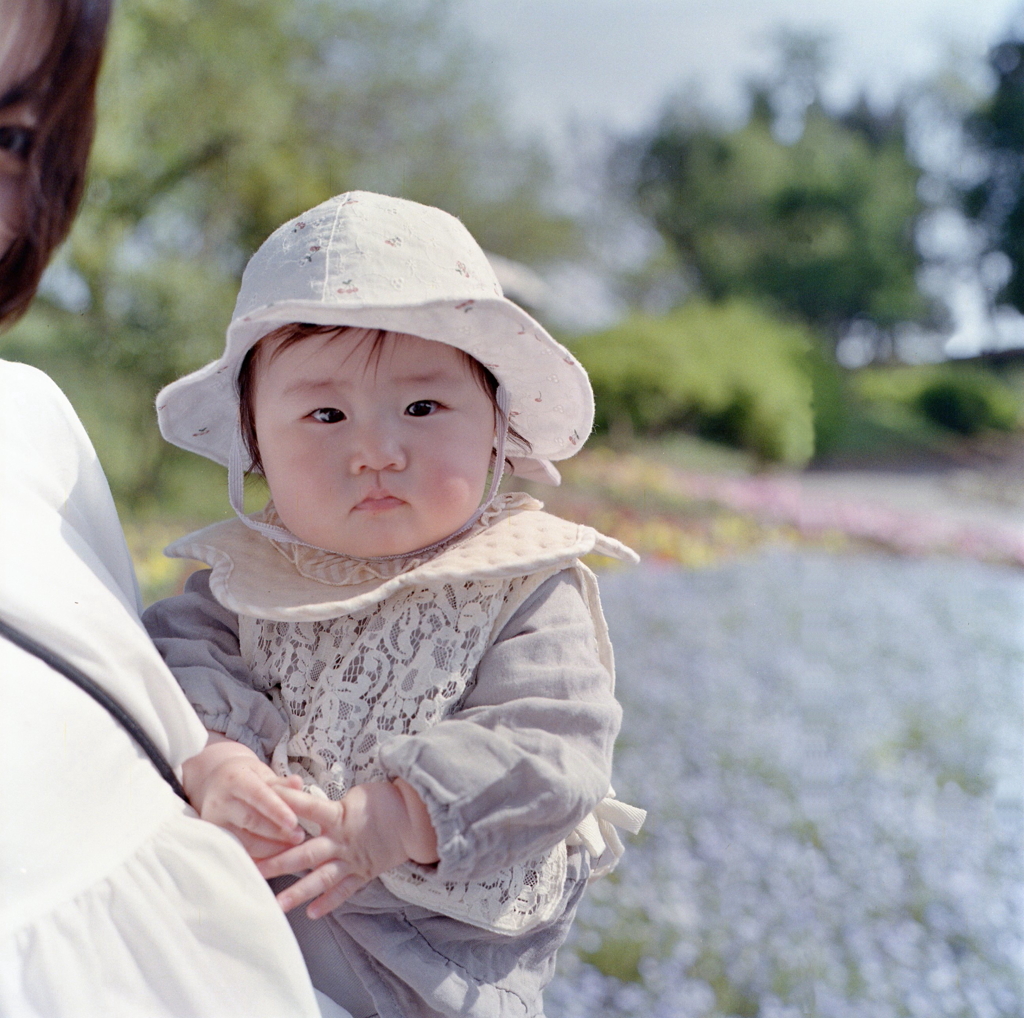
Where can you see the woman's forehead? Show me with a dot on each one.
(25, 29)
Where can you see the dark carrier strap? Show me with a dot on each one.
(100, 695)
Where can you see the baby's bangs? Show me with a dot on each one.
(273, 344)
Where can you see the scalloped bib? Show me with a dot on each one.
(257, 577)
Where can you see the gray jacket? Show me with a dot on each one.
(523, 760)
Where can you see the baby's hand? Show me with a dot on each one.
(372, 829)
(230, 786)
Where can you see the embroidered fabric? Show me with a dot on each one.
(348, 685)
(343, 570)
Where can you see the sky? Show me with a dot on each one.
(614, 62)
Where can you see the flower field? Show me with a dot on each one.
(830, 748)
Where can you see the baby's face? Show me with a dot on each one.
(370, 456)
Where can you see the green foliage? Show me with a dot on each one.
(219, 120)
(958, 398)
(830, 400)
(729, 372)
(821, 227)
(997, 128)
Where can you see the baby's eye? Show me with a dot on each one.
(327, 415)
(16, 140)
(422, 408)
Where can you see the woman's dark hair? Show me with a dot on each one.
(62, 90)
(280, 339)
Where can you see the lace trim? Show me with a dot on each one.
(513, 900)
(344, 570)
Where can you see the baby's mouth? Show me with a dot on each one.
(378, 501)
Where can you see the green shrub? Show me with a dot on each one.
(729, 371)
(961, 398)
(830, 401)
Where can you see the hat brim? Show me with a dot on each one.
(552, 404)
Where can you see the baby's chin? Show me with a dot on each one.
(381, 545)
(392, 532)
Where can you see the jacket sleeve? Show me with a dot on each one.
(529, 754)
(198, 638)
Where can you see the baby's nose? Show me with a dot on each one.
(377, 449)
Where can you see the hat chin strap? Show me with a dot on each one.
(236, 493)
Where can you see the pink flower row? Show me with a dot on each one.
(784, 500)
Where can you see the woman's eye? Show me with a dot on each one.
(327, 415)
(422, 408)
(16, 140)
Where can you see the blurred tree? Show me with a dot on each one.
(219, 119)
(810, 211)
(996, 201)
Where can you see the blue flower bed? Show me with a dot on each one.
(831, 752)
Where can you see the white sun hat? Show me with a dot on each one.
(370, 261)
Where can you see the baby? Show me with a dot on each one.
(406, 676)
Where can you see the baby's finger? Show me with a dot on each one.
(313, 885)
(322, 812)
(292, 781)
(240, 814)
(338, 894)
(250, 804)
(267, 802)
(307, 856)
(257, 847)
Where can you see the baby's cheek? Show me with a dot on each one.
(301, 501)
(459, 491)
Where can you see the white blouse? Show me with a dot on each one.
(115, 899)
